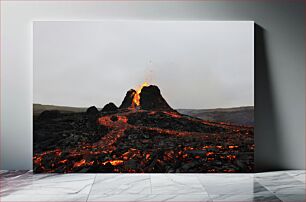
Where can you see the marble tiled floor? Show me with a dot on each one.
(270, 186)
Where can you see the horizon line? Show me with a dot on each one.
(118, 106)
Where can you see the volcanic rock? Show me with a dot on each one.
(131, 164)
(151, 99)
(92, 110)
(128, 100)
(92, 113)
(110, 107)
(114, 118)
(49, 114)
(157, 139)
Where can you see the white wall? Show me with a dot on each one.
(280, 74)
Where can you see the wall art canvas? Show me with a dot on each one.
(143, 96)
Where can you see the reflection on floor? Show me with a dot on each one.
(271, 186)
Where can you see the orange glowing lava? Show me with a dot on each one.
(80, 163)
(136, 98)
(231, 157)
(113, 162)
(173, 114)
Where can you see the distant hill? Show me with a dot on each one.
(38, 108)
(237, 115)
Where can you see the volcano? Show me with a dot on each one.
(144, 135)
(150, 98)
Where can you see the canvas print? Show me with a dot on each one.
(143, 97)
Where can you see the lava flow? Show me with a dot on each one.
(136, 98)
(153, 138)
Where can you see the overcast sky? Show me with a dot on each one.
(196, 64)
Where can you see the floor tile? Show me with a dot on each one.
(121, 184)
(261, 193)
(42, 198)
(218, 184)
(150, 198)
(48, 184)
(281, 183)
(286, 186)
(298, 175)
(245, 198)
(8, 176)
(270, 175)
(231, 197)
(176, 184)
(15, 180)
(266, 198)
(3, 171)
(291, 197)
(259, 189)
